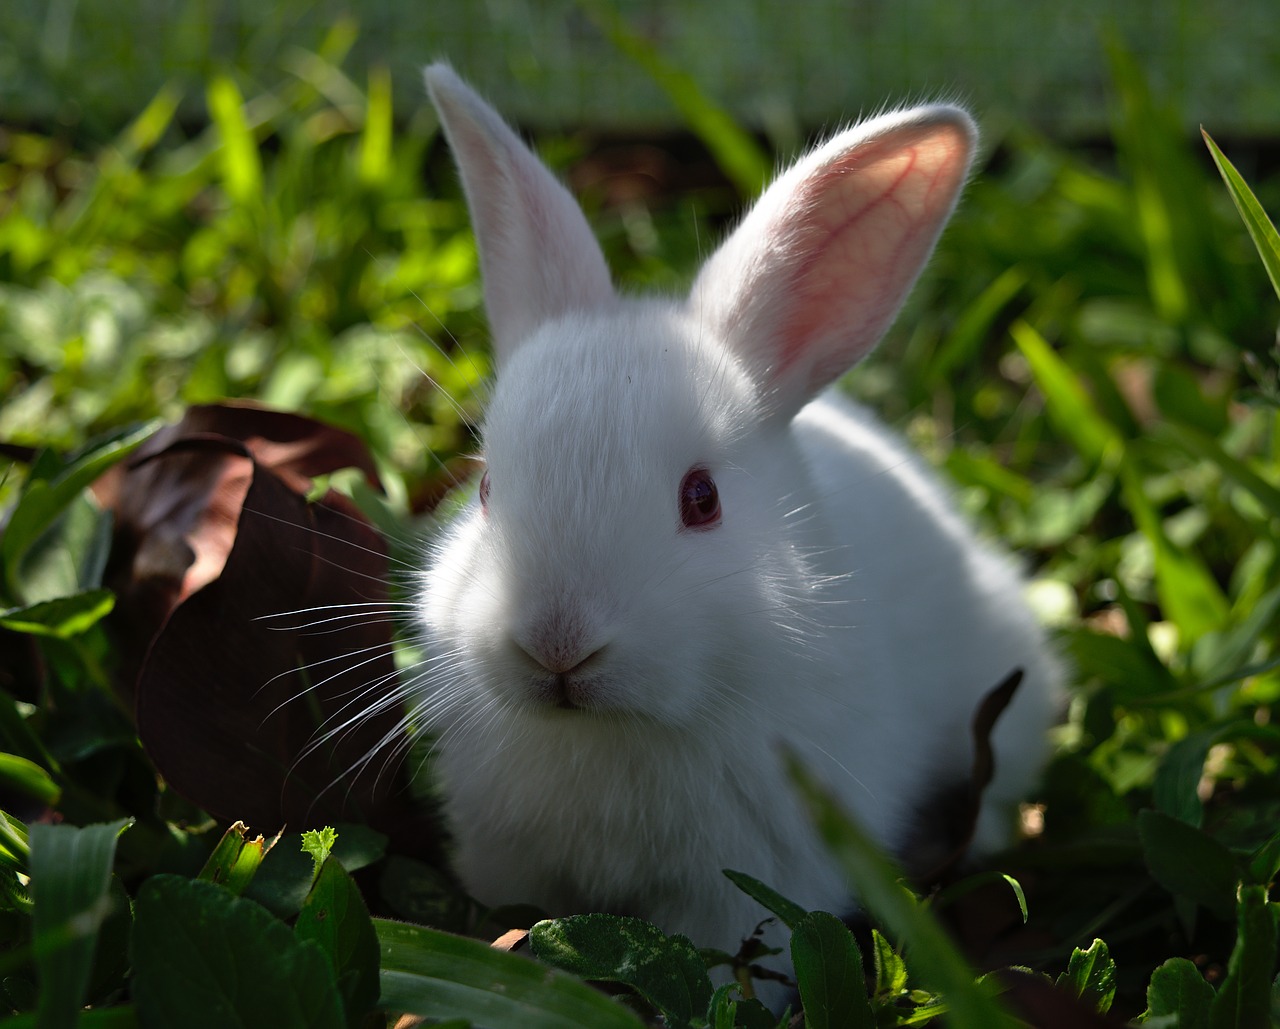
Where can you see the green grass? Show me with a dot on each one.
(780, 68)
(1091, 360)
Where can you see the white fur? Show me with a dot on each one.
(841, 607)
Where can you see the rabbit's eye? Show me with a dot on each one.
(484, 492)
(699, 501)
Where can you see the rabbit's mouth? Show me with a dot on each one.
(569, 691)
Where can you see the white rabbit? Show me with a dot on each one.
(684, 553)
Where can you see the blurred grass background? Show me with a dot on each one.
(88, 65)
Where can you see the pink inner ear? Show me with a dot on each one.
(871, 221)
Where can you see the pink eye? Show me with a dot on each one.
(484, 492)
(699, 501)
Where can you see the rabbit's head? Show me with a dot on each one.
(642, 539)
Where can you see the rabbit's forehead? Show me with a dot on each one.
(596, 396)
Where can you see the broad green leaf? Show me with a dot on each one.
(1091, 975)
(1188, 862)
(1261, 230)
(69, 556)
(891, 970)
(63, 617)
(666, 970)
(70, 880)
(17, 773)
(422, 893)
(44, 499)
(235, 859)
(829, 973)
(728, 1012)
(1177, 988)
(1178, 778)
(1244, 1000)
(1056, 515)
(193, 939)
(241, 165)
(334, 916)
(790, 912)
(439, 975)
(934, 959)
(1131, 670)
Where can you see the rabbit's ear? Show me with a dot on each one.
(538, 256)
(812, 278)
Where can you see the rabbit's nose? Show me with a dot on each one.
(571, 662)
(560, 641)
(560, 658)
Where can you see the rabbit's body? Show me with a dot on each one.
(680, 562)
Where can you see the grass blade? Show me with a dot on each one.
(1261, 229)
(241, 165)
(29, 779)
(1206, 448)
(1067, 400)
(879, 885)
(146, 130)
(790, 912)
(70, 877)
(375, 142)
(1187, 591)
(61, 618)
(1245, 997)
(737, 153)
